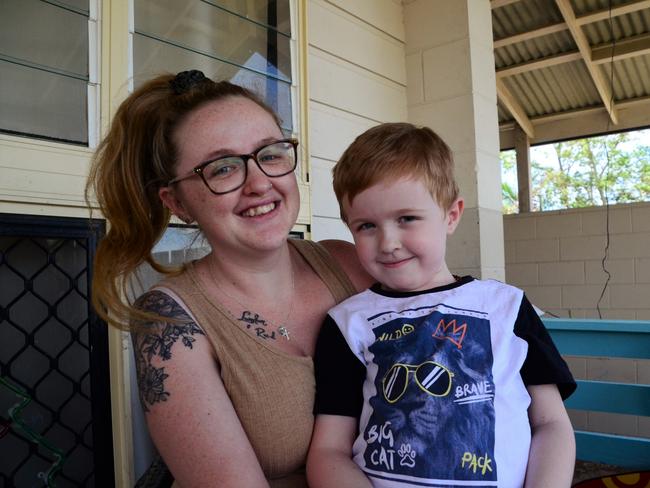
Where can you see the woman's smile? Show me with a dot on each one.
(259, 210)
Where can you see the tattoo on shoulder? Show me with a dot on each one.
(158, 342)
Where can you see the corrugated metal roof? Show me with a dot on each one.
(546, 75)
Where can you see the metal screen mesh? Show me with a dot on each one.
(46, 406)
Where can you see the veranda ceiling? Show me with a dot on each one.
(553, 63)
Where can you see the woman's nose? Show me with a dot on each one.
(256, 180)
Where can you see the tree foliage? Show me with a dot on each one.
(584, 172)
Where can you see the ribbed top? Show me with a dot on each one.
(271, 391)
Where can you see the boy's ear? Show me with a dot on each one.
(168, 196)
(454, 214)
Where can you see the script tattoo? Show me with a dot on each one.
(254, 320)
(158, 342)
(251, 318)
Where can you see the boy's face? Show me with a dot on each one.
(401, 233)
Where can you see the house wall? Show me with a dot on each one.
(357, 79)
(555, 257)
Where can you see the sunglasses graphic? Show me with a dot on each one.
(433, 378)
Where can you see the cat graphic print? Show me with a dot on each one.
(433, 381)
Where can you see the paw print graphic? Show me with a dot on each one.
(407, 455)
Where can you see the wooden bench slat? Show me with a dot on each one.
(627, 452)
(634, 345)
(598, 326)
(603, 396)
(607, 338)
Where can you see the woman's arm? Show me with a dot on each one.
(346, 255)
(552, 451)
(329, 463)
(189, 414)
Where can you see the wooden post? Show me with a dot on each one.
(522, 148)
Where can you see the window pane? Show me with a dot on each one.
(273, 13)
(210, 30)
(44, 68)
(42, 103)
(44, 34)
(152, 58)
(76, 4)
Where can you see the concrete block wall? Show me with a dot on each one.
(459, 103)
(556, 258)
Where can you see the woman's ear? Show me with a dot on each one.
(170, 200)
(454, 213)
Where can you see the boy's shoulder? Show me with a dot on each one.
(357, 300)
(467, 288)
(488, 284)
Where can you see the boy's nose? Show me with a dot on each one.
(389, 242)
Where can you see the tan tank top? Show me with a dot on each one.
(272, 391)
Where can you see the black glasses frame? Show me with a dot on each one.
(198, 170)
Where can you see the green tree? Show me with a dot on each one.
(587, 172)
(509, 190)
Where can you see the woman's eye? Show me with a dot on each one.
(221, 169)
(267, 158)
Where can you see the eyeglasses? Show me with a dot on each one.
(433, 378)
(228, 173)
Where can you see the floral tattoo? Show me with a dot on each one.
(158, 342)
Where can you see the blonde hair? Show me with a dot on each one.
(134, 160)
(393, 151)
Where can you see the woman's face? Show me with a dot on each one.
(254, 218)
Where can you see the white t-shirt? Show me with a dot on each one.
(443, 375)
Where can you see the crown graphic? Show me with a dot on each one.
(451, 332)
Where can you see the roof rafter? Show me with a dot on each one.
(585, 50)
(501, 3)
(515, 109)
(532, 34)
(540, 63)
(625, 48)
(626, 8)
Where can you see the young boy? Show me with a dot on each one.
(430, 379)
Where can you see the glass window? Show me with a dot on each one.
(273, 13)
(44, 68)
(244, 42)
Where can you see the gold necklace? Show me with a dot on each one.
(282, 329)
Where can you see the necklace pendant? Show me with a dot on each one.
(283, 332)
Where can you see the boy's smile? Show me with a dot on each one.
(400, 234)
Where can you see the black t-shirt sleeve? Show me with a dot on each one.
(543, 364)
(339, 374)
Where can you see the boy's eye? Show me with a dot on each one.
(365, 226)
(406, 218)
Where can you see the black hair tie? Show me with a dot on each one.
(186, 80)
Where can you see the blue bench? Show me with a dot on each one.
(612, 339)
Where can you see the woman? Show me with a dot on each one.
(223, 348)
